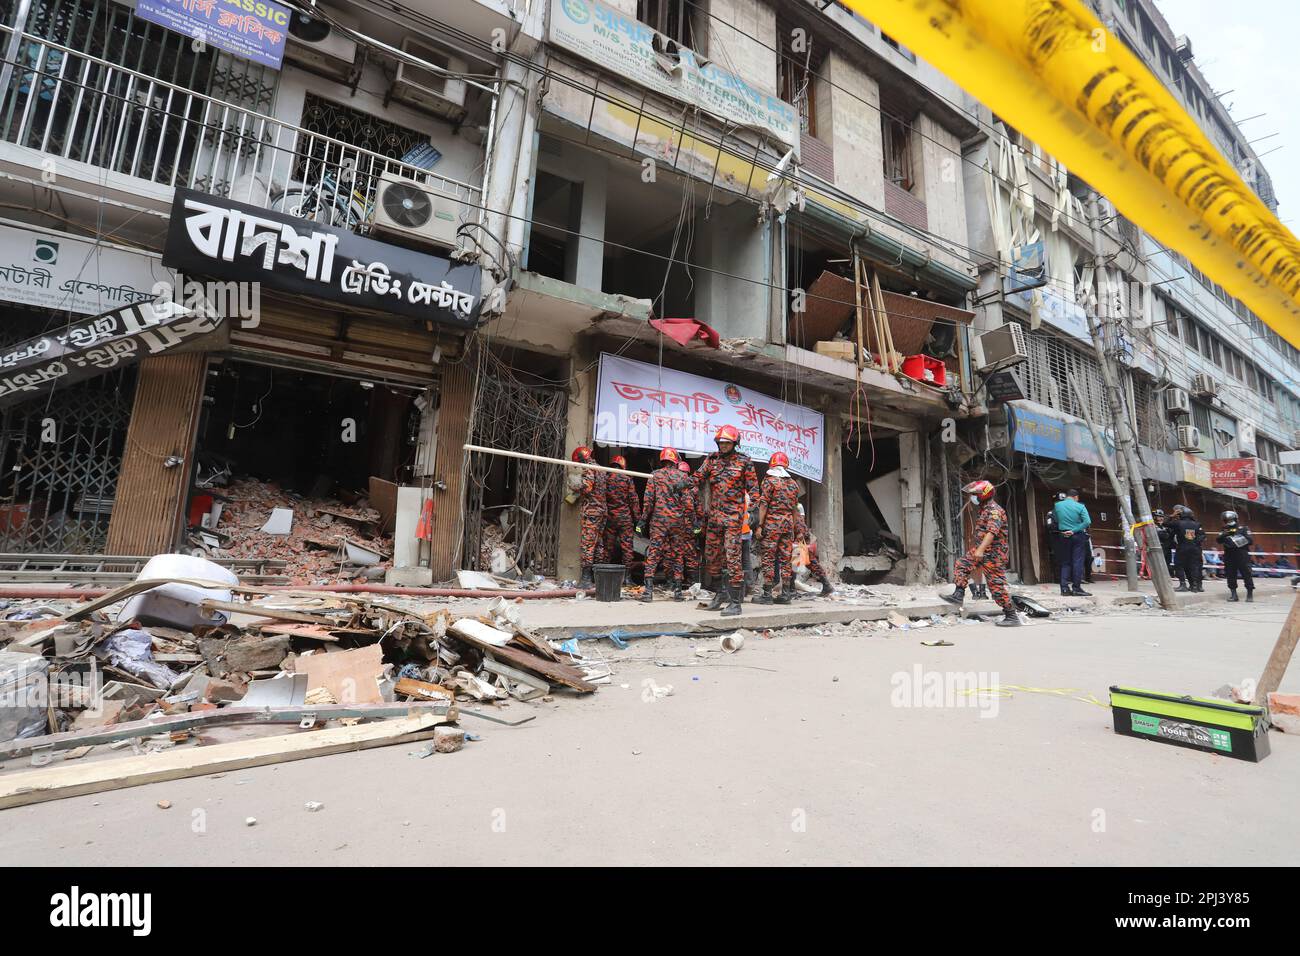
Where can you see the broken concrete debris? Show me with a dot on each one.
(350, 670)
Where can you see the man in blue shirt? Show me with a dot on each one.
(1072, 523)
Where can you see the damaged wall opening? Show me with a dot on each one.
(873, 508)
(278, 437)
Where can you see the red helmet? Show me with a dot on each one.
(779, 460)
(582, 453)
(669, 454)
(618, 461)
(728, 433)
(981, 489)
(683, 467)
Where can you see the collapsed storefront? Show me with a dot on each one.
(317, 389)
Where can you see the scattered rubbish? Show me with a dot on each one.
(1284, 712)
(938, 643)
(250, 821)
(280, 522)
(312, 806)
(283, 690)
(164, 804)
(730, 643)
(174, 604)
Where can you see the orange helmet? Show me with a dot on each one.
(618, 461)
(779, 460)
(669, 454)
(728, 433)
(582, 453)
(981, 489)
(683, 467)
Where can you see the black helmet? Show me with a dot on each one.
(1230, 517)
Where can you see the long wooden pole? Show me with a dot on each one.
(553, 461)
(1281, 656)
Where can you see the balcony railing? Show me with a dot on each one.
(79, 108)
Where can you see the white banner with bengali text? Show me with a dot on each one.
(645, 406)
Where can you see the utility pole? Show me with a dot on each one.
(1125, 441)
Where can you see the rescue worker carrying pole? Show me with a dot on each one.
(729, 477)
(989, 554)
(623, 512)
(664, 510)
(1188, 535)
(590, 485)
(778, 498)
(1236, 540)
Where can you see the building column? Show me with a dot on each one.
(578, 429)
(148, 510)
(455, 406)
(918, 523)
(827, 499)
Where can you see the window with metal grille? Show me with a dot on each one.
(88, 85)
(1149, 418)
(1052, 363)
(897, 136)
(674, 19)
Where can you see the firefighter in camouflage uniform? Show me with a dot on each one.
(989, 554)
(778, 498)
(622, 513)
(729, 476)
(691, 526)
(590, 485)
(664, 510)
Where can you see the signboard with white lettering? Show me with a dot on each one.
(251, 29)
(90, 347)
(55, 271)
(230, 240)
(624, 45)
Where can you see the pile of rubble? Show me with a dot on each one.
(353, 671)
(313, 539)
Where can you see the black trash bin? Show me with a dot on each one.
(609, 581)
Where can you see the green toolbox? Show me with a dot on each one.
(1202, 723)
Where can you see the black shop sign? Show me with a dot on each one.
(230, 240)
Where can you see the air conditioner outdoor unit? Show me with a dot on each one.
(1204, 384)
(415, 210)
(430, 90)
(1189, 438)
(1271, 472)
(317, 45)
(1183, 48)
(1177, 402)
(1004, 346)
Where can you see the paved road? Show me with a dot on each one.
(793, 751)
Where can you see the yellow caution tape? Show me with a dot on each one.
(1054, 72)
(1135, 525)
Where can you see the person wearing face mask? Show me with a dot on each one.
(989, 554)
(732, 481)
(1236, 540)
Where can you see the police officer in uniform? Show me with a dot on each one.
(1236, 540)
(1188, 535)
(1165, 531)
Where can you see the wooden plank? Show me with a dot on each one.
(423, 689)
(555, 673)
(56, 783)
(257, 610)
(1280, 658)
(315, 632)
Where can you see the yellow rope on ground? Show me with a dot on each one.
(1004, 692)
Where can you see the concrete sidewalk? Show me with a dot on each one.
(568, 616)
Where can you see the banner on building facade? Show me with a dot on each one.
(250, 29)
(625, 46)
(230, 240)
(1196, 470)
(90, 347)
(1037, 433)
(645, 406)
(55, 271)
(1233, 473)
(1054, 309)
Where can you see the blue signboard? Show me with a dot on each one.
(251, 29)
(1035, 433)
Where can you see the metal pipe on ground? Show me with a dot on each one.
(82, 593)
